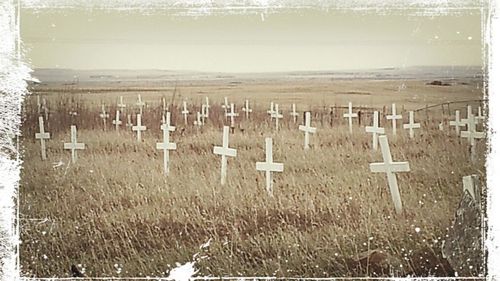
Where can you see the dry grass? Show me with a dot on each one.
(114, 206)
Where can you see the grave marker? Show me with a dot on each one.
(117, 122)
(231, 115)
(121, 105)
(185, 112)
(276, 115)
(350, 115)
(457, 122)
(42, 136)
(294, 113)
(411, 125)
(166, 145)
(246, 109)
(140, 104)
(269, 166)
(375, 130)
(129, 122)
(104, 116)
(225, 152)
(74, 145)
(394, 117)
(139, 127)
(225, 105)
(471, 134)
(207, 107)
(307, 129)
(480, 116)
(390, 168)
(271, 110)
(203, 113)
(198, 122)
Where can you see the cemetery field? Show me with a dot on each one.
(115, 213)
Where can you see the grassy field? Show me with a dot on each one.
(115, 212)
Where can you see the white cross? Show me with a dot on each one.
(472, 135)
(203, 113)
(207, 105)
(198, 120)
(104, 116)
(469, 115)
(269, 166)
(129, 122)
(375, 130)
(73, 145)
(394, 117)
(480, 116)
(139, 128)
(166, 145)
(307, 129)
(271, 110)
(390, 168)
(294, 113)
(246, 109)
(164, 104)
(225, 105)
(117, 122)
(185, 112)
(121, 105)
(140, 103)
(42, 136)
(457, 123)
(276, 115)
(350, 115)
(224, 151)
(411, 125)
(38, 105)
(45, 109)
(232, 114)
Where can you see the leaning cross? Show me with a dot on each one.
(394, 117)
(375, 130)
(185, 112)
(42, 136)
(232, 114)
(166, 145)
(246, 109)
(73, 145)
(307, 129)
(269, 166)
(139, 128)
(294, 113)
(411, 125)
(117, 122)
(225, 152)
(390, 168)
(350, 115)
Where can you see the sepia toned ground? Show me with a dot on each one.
(116, 214)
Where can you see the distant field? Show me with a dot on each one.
(115, 207)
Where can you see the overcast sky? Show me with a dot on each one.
(285, 41)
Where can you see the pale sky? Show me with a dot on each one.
(306, 40)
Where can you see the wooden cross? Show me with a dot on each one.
(469, 115)
(307, 129)
(38, 104)
(350, 115)
(203, 113)
(139, 127)
(394, 117)
(73, 145)
(480, 116)
(390, 168)
(271, 110)
(457, 123)
(117, 122)
(225, 152)
(140, 103)
(269, 166)
(294, 113)
(45, 109)
(231, 115)
(166, 145)
(411, 125)
(246, 109)
(104, 116)
(375, 130)
(472, 135)
(276, 115)
(42, 136)
(185, 112)
(198, 120)
(129, 122)
(121, 105)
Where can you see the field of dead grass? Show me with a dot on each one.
(115, 212)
